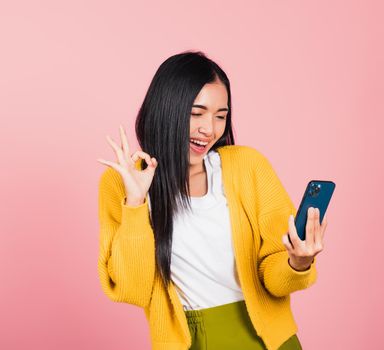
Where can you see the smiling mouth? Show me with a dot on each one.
(197, 148)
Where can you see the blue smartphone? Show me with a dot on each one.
(317, 195)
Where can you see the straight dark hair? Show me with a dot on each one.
(162, 130)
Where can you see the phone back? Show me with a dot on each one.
(318, 195)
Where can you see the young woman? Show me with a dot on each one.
(194, 229)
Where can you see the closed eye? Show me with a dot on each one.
(219, 116)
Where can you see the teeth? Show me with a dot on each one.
(199, 142)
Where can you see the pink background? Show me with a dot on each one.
(307, 85)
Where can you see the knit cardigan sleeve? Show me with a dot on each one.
(274, 207)
(126, 262)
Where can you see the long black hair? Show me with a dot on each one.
(162, 130)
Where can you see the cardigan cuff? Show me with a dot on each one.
(135, 219)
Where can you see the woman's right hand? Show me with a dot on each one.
(136, 182)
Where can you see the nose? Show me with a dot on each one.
(206, 127)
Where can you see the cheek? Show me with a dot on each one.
(192, 125)
(220, 131)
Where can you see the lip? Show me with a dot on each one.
(199, 139)
(196, 150)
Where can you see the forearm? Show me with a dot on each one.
(280, 279)
(127, 257)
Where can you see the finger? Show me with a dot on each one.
(142, 155)
(118, 151)
(296, 242)
(154, 162)
(152, 166)
(310, 227)
(287, 244)
(318, 240)
(323, 226)
(125, 145)
(111, 164)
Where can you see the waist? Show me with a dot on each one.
(236, 309)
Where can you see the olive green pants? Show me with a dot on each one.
(228, 327)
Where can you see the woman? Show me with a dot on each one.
(195, 232)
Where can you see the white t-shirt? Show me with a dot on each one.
(203, 266)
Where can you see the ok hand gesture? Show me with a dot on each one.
(136, 182)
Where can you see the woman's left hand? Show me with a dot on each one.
(301, 253)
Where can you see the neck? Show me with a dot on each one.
(196, 169)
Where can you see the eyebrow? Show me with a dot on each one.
(203, 107)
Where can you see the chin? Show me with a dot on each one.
(195, 159)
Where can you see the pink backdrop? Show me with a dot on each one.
(307, 84)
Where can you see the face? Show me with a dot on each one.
(208, 119)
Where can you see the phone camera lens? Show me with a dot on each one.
(314, 189)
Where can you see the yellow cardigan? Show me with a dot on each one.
(259, 209)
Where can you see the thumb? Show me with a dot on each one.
(153, 165)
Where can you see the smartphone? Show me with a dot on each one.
(317, 195)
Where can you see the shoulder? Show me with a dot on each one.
(243, 153)
(108, 177)
(267, 190)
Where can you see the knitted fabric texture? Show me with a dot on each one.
(259, 209)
